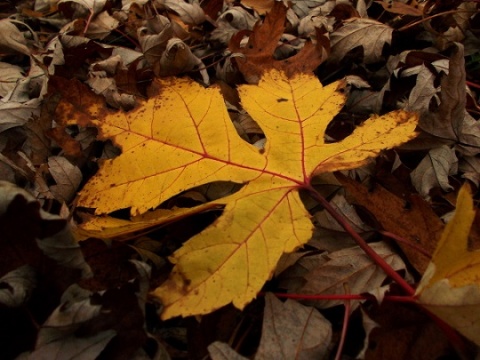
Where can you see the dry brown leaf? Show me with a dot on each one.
(222, 351)
(413, 219)
(260, 6)
(401, 8)
(450, 123)
(79, 8)
(470, 167)
(10, 74)
(369, 34)
(12, 40)
(14, 113)
(101, 26)
(293, 331)
(57, 335)
(17, 286)
(257, 56)
(67, 177)
(434, 170)
(190, 13)
(349, 266)
(178, 58)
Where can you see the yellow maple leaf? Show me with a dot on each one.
(185, 138)
(450, 287)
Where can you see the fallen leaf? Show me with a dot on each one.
(423, 91)
(222, 351)
(260, 6)
(164, 158)
(17, 286)
(303, 7)
(398, 7)
(349, 266)
(450, 123)
(67, 178)
(46, 232)
(190, 13)
(12, 40)
(291, 330)
(178, 58)
(57, 335)
(409, 331)
(257, 55)
(324, 219)
(101, 26)
(83, 7)
(238, 18)
(434, 170)
(411, 218)
(14, 113)
(450, 287)
(470, 167)
(106, 227)
(369, 34)
(10, 75)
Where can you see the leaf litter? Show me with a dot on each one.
(403, 54)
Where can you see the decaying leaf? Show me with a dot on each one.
(222, 351)
(47, 232)
(291, 330)
(369, 34)
(17, 286)
(450, 287)
(257, 56)
(349, 266)
(265, 218)
(66, 175)
(57, 335)
(410, 218)
(434, 170)
(450, 123)
(12, 40)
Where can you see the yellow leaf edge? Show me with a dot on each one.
(107, 227)
(457, 302)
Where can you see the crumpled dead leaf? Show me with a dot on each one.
(67, 177)
(190, 13)
(57, 334)
(257, 55)
(17, 286)
(349, 266)
(101, 26)
(291, 330)
(394, 216)
(450, 123)
(49, 232)
(10, 75)
(369, 34)
(81, 8)
(222, 351)
(12, 40)
(434, 170)
(178, 58)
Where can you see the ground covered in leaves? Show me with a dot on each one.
(176, 183)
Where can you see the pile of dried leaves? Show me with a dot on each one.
(172, 170)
